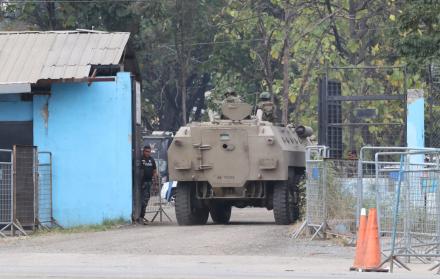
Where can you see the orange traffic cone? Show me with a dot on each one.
(371, 261)
(360, 242)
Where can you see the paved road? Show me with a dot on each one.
(252, 247)
(37, 265)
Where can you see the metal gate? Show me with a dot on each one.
(5, 190)
(25, 190)
(361, 106)
(404, 187)
(8, 221)
(331, 195)
(432, 114)
(44, 215)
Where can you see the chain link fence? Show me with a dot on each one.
(5, 190)
(331, 195)
(407, 195)
(315, 222)
(342, 196)
(25, 190)
(45, 212)
(336, 190)
(9, 225)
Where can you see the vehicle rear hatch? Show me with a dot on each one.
(226, 156)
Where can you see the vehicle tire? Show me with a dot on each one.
(220, 213)
(188, 212)
(293, 186)
(286, 200)
(281, 206)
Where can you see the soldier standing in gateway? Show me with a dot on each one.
(149, 172)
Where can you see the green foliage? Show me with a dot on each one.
(107, 224)
(215, 44)
(419, 36)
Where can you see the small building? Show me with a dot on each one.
(66, 92)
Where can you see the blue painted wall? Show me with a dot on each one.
(416, 123)
(88, 131)
(13, 109)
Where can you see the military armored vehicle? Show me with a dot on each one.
(237, 160)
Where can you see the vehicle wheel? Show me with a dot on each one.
(294, 182)
(286, 200)
(220, 213)
(188, 211)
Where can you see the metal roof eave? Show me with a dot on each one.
(8, 88)
(29, 57)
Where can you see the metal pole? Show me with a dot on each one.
(325, 109)
(159, 185)
(405, 106)
(406, 214)
(35, 178)
(395, 215)
(437, 202)
(50, 189)
(13, 179)
(378, 197)
(308, 189)
(324, 196)
(11, 220)
(359, 191)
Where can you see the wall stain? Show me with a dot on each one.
(45, 114)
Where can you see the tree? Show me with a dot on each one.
(418, 30)
(184, 48)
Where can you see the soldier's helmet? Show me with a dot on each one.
(265, 96)
(230, 92)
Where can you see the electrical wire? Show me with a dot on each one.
(67, 1)
(216, 43)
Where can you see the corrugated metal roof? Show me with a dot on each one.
(26, 57)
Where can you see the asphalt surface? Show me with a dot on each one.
(252, 246)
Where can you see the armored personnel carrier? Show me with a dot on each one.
(238, 160)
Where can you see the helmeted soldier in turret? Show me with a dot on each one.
(265, 108)
(231, 96)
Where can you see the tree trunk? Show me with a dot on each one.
(183, 91)
(50, 7)
(286, 59)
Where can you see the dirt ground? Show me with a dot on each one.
(251, 232)
(252, 246)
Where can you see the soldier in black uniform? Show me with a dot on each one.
(149, 171)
